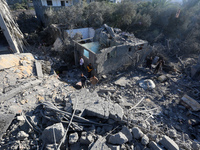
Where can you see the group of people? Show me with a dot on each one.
(93, 80)
(158, 65)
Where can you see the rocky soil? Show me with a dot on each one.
(129, 109)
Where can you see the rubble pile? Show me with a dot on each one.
(127, 110)
(108, 37)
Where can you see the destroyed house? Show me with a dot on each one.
(109, 49)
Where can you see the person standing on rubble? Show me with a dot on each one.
(83, 80)
(89, 69)
(81, 63)
(158, 66)
(93, 80)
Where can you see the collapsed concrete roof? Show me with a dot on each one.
(10, 29)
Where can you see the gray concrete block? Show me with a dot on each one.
(48, 133)
(127, 133)
(137, 133)
(154, 146)
(118, 138)
(169, 143)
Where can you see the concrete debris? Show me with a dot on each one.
(147, 84)
(73, 138)
(118, 138)
(91, 104)
(126, 131)
(122, 82)
(169, 143)
(137, 133)
(5, 121)
(191, 103)
(145, 140)
(10, 29)
(21, 135)
(154, 146)
(53, 134)
(117, 114)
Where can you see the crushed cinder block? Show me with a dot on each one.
(190, 103)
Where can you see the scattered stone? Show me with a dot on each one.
(21, 135)
(169, 143)
(147, 84)
(162, 78)
(190, 102)
(58, 129)
(145, 140)
(99, 144)
(172, 133)
(118, 138)
(73, 138)
(137, 133)
(127, 133)
(123, 81)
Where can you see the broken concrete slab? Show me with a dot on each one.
(19, 89)
(91, 104)
(11, 60)
(190, 102)
(169, 143)
(39, 69)
(5, 121)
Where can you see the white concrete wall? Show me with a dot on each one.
(86, 32)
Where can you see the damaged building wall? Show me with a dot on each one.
(10, 29)
(115, 57)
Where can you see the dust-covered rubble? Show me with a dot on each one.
(48, 112)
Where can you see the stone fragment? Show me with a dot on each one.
(99, 144)
(169, 143)
(21, 135)
(190, 102)
(137, 133)
(127, 133)
(172, 133)
(73, 138)
(20, 118)
(145, 140)
(147, 84)
(123, 81)
(48, 133)
(39, 69)
(162, 78)
(118, 138)
(154, 146)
